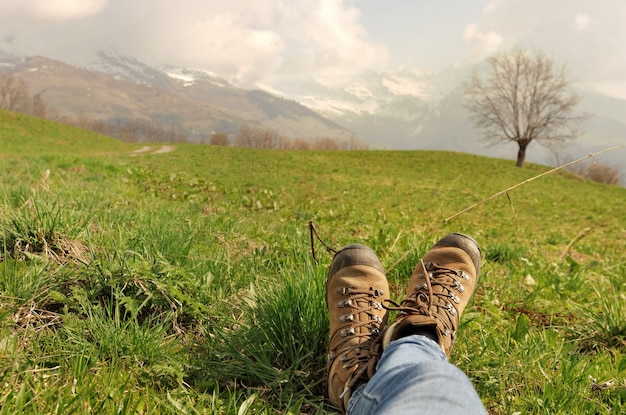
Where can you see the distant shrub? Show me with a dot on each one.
(603, 173)
(300, 144)
(598, 172)
(219, 139)
(259, 137)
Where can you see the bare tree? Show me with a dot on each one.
(15, 96)
(245, 137)
(326, 144)
(13, 93)
(300, 144)
(258, 137)
(525, 98)
(355, 143)
(38, 107)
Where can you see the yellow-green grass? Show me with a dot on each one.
(184, 281)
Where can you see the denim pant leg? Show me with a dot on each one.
(414, 377)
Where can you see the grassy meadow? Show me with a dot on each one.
(184, 282)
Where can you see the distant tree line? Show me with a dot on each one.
(130, 130)
(268, 138)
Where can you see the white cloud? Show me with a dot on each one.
(581, 21)
(588, 37)
(226, 43)
(322, 39)
(262, 41)
(328, 38)
(245, 40)
(50, 10)
(482, 43)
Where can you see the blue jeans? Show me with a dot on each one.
(413, 376)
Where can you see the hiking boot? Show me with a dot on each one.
(355, 291)
(439, 289)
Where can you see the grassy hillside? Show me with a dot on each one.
(184, 282)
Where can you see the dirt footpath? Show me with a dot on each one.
(149, 150)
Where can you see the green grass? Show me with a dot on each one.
(184, 282)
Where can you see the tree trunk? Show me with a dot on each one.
(521, 152)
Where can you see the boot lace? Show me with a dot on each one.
(366, 350)
(437, 292)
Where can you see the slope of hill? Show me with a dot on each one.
(27, 136)
(180, 282)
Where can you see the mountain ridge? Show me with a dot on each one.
(129, 89)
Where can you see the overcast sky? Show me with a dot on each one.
(262, 41)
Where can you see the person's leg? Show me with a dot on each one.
(413, 376)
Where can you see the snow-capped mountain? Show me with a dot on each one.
(124, 68)
(131, 70)
(197, 102)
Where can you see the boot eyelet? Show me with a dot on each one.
(347, 332)
(346, 317)
(376, 305)
(451, 309)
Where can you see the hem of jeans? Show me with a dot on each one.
(418, 338)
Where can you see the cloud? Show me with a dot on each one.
(329, 39)
(50, 10)
(243, 40)
(585, 36)
(225, 43)
(323, 39)
(581, 21)
(482, 43)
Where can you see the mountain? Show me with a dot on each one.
(117, 87)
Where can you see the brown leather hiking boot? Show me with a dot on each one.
(355, 291)
(439, 289)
